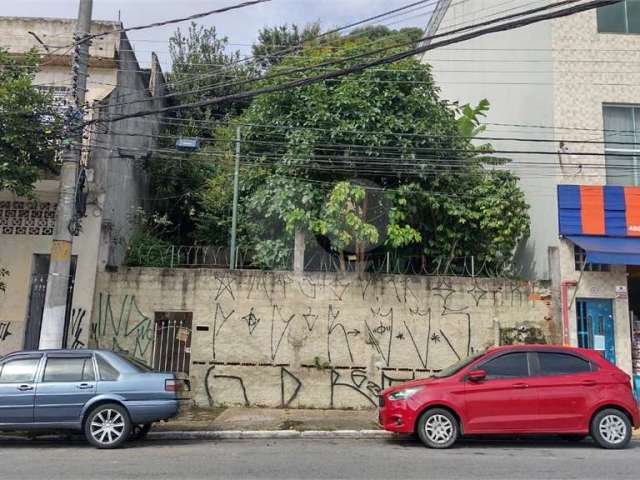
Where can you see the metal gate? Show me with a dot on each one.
(172, 342)
(34, 314)
(37, 296)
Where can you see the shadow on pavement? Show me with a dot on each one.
(489, 442)
(404, 441)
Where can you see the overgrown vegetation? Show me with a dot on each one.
(29, 125)
(364, 164)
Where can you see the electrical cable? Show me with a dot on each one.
(363, 66)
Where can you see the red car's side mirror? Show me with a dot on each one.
(477, 375)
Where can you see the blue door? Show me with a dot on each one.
(17, 388)
(68, 383)
(595, 326)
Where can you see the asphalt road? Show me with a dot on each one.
(309, 459)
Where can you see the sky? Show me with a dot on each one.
(239, 26)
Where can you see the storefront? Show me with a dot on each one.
(599, 266)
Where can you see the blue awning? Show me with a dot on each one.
(611, 250)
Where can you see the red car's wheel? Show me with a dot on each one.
(438, 428)
(611, 429)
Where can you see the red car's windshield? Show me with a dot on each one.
(459, 365)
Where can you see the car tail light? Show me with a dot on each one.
(173, 385)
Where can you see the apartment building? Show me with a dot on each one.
(565, 94)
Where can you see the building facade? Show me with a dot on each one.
(112, 173)
(565, 94)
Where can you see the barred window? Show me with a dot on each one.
(581, 262)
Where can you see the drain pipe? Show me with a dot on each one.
(564, 299)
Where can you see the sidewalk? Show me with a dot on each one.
(237, 423)
(269, 419)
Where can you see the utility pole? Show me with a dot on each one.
(53, 318)
(234, 214)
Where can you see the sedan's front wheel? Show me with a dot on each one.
(438, 428)
(107, 426)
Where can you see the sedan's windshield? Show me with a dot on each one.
(456, 367)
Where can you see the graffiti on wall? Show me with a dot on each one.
(5, 330)
(76, 327)
(122, 327)
(278, 339)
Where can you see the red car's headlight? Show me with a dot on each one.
(405, 393)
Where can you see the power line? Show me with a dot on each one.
(172, 21)
(335, 61)
(381, 61)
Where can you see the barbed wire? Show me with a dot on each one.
(318, 260)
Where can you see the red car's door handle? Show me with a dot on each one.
(588, 383)
(520, 385)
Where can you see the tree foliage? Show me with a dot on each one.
(388, 130)
(202, 66)
(277, 43)
(28, 125)
(367, 163)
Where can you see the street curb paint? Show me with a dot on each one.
(267, 434)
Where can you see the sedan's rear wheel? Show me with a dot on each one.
(438, 428)
(611, 429)
(107, 426)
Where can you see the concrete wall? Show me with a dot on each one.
(318, 340)
(514, 71)
(55, 32)
(121, 149)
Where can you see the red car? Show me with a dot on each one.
(527, 389)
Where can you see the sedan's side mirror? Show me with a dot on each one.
(477, 375)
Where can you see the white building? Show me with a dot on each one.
(115, 179)
(576, 82)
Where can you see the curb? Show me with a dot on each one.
(267, 434)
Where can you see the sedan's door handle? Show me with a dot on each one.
(84, 386)
(24, 388)
(520, 385)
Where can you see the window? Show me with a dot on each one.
(512, 365)
(21, 370)
(107, 371)
(621, 17)
(580, 257)
(456, 367)
(622, 144)
(137, 365)
(561, 364)
(69, 369)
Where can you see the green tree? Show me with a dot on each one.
(386, 126)
(277, 43)
(202, 66)
(29, 125)
(376, 33)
